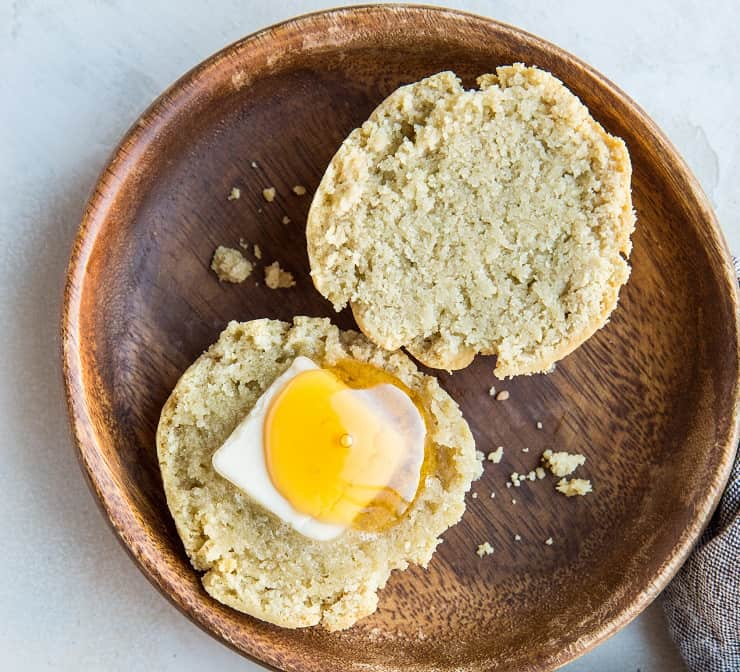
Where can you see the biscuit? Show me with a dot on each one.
(251, 560)
(494, 221)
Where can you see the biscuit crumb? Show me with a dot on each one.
(517, 537)
(562, 463)
(548, 541)
(253, 164)
(496, 455)
(269, 194)
(492, 391)
(493, 495)
(513, 501)
(525, 450)
(503, 395)
(516, 479)
(532, 476)
(540, 473)
(539, 425)
(299, 190)
(230, 265)
(235, 194)
(574, 486)
(239, 79)
(258, 252)
(286, 219)
(277, 278)
(484, 549)
(508, 484)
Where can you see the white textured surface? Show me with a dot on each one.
(73, 76)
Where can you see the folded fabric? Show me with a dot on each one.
(702, 603)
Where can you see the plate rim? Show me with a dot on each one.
(125, 156)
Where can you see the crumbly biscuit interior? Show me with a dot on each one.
(495, 220)
(251, 560)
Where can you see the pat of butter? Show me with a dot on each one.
(241, 461)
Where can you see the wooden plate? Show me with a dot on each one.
(651, 399)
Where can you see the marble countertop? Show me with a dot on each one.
(73, 77)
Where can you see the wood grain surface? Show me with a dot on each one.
(651, 399)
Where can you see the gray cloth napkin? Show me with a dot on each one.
(702, 603)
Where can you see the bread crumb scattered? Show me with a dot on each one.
(513, 501)
(562, 463)
(474, 495)
(299, 190)
(484, 549)
(493, 495)
(479, 456)
(517, 537)
(258, 252)
(574, 486)
(374, 633)
(253, 164)
(525, 450)
(230, 265)
(269, 194)
(492, 391)
(540, 473)
(515, 479)
(286, 219)
(539, 425)
(532, 476)
(243, 243)
(235, 194)
(503, 395)
(277, 278)
(496, 455)
(548, 541)
(508, 484)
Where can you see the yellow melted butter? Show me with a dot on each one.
(368, 481)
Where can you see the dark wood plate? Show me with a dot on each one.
(651, 399)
